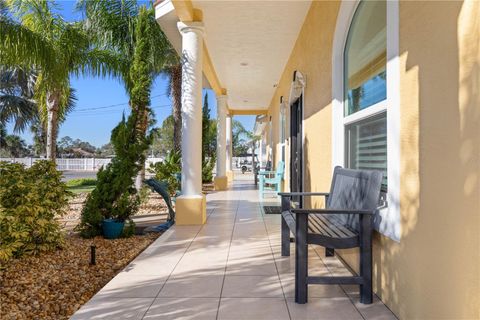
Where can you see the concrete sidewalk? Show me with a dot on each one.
(229, 268)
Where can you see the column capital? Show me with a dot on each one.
(185, 27)
(222, 98)
(222, 103)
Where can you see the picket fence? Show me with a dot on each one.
(74, 164)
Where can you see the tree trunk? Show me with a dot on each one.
(142, 131)
(176, 95)
(52, 125)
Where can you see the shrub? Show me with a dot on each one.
(207, 169)
(167, 170)
(115, 195)
(30, 199)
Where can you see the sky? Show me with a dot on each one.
(101, 102)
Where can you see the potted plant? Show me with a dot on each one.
(126, 206)
(115, 200)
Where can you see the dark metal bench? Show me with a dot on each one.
(346, 222)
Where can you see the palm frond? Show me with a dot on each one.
(21, 46)
(111, 23)
(18, 110)
(16, 97)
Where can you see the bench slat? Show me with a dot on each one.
(341, 230)
(337, 223)
(321, 225)
(323, 229)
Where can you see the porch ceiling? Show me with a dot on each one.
(249, 43)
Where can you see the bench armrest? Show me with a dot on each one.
(306, 194)
(265, 172)
(333, 211)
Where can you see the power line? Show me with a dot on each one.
(111, 112)
(112, 105)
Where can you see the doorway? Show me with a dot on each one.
(296, 150)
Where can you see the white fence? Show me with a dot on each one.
(74, 164)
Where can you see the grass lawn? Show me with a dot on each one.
(81, 185)
(81, 189)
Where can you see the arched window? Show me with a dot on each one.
(365, 89)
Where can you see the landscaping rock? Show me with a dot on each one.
(54, 285)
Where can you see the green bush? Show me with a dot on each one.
(207, 169)
(82, 182)
(30, 199)
(167, 170)
(115, 195)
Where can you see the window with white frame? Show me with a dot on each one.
(365, 89)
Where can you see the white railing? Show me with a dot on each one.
(75, 164)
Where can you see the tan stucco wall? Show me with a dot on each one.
(433, 273)
(312, 56)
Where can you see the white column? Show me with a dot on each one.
(221, 135)
(192, 54)
(229, 143)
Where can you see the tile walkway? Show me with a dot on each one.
(230, 268)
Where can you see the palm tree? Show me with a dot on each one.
(3, 135)
(130, 31)
(16, 146)
(16, 97)
(17, 103)
(56, 49)
(174, 71)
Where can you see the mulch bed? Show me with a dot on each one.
(54, 285)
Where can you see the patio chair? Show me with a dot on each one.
(346, 222)
(271, 181)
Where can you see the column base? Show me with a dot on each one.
(230, 176)
(220, 183)
(191, 210)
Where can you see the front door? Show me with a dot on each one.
(296, 149)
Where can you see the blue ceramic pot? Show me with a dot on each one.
(112, 229)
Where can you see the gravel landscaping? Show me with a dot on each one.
(54, 285)
(154, 204)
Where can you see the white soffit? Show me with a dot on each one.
(260, 34)
(167, 19)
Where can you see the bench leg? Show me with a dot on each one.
(301, 259)
(285, 239)
(366, 293)
(329, 252)
(285, 229)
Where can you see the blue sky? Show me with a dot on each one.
(101, 102)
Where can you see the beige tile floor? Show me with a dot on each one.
(230, 268)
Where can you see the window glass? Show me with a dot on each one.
(367, 145)
(365, 57)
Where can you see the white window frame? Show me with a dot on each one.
(390, 223)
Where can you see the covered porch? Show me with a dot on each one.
(228, 268)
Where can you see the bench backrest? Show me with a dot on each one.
(354, 189)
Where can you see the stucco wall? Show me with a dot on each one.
(434, 271)
(312, 56)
